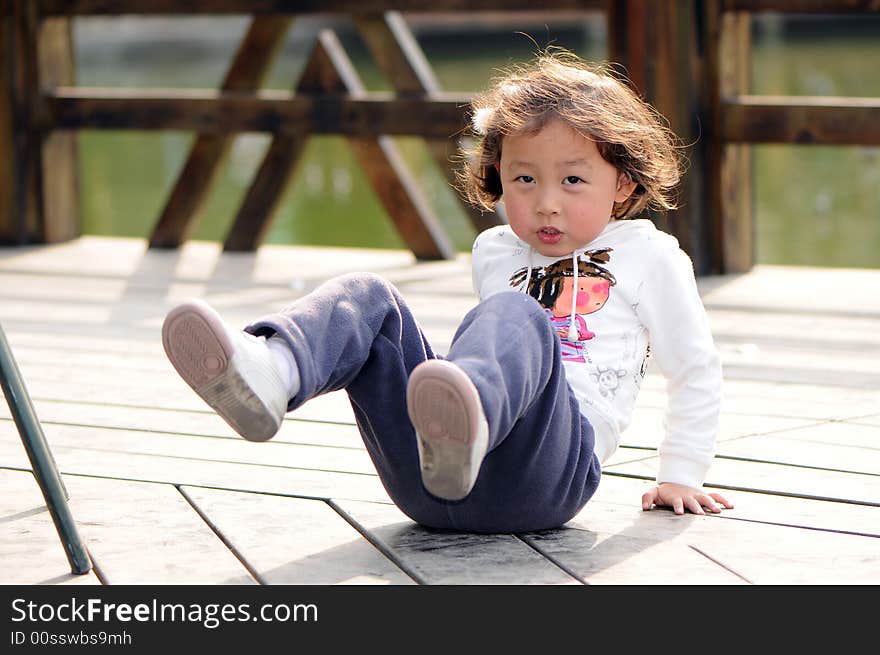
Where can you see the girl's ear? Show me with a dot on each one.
(625, 186)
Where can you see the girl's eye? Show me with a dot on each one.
(572, 179)
(528, 179)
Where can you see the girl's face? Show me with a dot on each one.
(592, 292)
(558, 190)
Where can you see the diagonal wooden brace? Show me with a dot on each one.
(251, 63)
(396, 50)
(329, 71)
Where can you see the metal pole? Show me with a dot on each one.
(44, 467)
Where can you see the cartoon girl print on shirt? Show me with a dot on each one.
(552, 286)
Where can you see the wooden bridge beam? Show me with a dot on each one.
(274, 111)
(276, 7)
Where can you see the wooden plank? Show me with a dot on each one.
(752, 406)
(792, 289)
(797, 400)
(834, 446)
(208, 473)
(758, 553)
(441, 557)
(127, 547)
(857, 432)
(246, 72)
(808, 447)
(220, 112)
(207, 423)
(775, 478)
(626, 556)
(832, 331)
(293, 541)
(758, 507)
(136, 268)
(158, 391)
(801, 120)
(646, 428)
(333, 408)
(30, 548)
(275, 454)
(802, 367)
(792, 401)
(119, 7)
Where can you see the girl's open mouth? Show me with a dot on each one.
(549, 235)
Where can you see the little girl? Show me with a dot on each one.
(504, 434)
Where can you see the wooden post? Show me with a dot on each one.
(728, 181)
(736, 172)
(655, 43)
(60, 193)
(38, 168)
(8, 205)
(628, 40)
(673, 92)
(26, 160)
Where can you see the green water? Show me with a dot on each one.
(816, 206)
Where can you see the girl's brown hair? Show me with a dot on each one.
(630, 134)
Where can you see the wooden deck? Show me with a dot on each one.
(165, 493)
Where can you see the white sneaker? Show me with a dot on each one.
(451, 429)
(231, 370)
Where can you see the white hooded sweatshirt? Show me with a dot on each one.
(638, 297)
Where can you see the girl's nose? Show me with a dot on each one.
(548, 203)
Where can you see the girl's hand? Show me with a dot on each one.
(680, 497)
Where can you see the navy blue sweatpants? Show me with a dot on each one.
(356, 333)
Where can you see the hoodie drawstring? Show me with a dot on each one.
(573, 332)
(572, 326)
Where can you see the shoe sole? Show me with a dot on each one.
(444, 407)
(200, 350)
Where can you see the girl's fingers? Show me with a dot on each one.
(721, 499)
(706, 501)
(694, 505)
